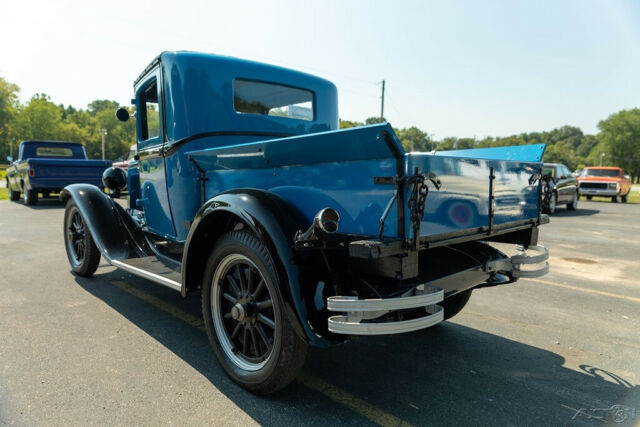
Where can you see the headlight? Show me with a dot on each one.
(613, 186)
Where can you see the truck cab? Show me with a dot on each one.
(187, 102)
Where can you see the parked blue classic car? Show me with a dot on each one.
(49, 166)
(295, 232)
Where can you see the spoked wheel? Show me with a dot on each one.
(244, 316)
(83, 254)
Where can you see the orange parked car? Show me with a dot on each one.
(604, 181)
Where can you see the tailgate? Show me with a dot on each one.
(62, 172)
(479, 193)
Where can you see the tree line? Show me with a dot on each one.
(617, 142)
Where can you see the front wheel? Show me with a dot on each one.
(624, 199)
(83, 254)
(589, 197)
(615, 199)
(13, 195)
(244, 315)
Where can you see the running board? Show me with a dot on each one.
(361, 314)
(153, 269)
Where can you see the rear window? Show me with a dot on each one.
(611, 173)
(54, 152)
(269, 99)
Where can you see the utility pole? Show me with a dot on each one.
(103, 132)
(382, 103)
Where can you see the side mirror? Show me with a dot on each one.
(627, 177)
(563, 177)
(122, 114)
(10, 159)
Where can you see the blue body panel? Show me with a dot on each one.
(53, 173)
(523, 153)
(206, 148)
(462, 202)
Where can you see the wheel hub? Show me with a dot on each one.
(239, 312)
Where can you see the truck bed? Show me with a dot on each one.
(354, 171)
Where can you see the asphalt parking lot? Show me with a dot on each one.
(560, 350)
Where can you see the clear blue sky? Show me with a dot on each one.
(452, 68)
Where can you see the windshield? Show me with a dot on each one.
(611, 173)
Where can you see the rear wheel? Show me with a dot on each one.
(453, 305)
(589, 197)
(13, 195)
(244, 315)
(83, 254)
(30, 197)
(573, 204)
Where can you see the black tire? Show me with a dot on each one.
(251, 337)
(30, 197)
(573, 204)
(624, 198)
(589, 197)
(615, 199)
(453, 305)
(13, 195)
(553, 203)
(83, 254)
(46, 194)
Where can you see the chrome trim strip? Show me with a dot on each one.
(341, 325)
(148, 275)
(429, 296)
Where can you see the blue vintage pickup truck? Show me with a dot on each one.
(48, 166)
(293, 232)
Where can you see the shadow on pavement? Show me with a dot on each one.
(44, 204)
(446, 375)
(578, 212)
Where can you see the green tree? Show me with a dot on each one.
(620, 135)
(345, 124)
(374, 120)
(8, 110)
(413, 139)
(39, 119)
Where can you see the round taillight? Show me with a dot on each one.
(328, 220)
(32, 172)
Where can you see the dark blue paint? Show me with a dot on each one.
(53, 173)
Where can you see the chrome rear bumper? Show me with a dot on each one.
(538, 262)
(364, 316)
(359, 310)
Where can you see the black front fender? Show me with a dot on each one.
(274, 221)
(113, 231)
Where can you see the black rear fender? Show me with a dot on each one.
(274, 221)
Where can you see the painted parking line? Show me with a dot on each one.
(586, 290)
(330, 391)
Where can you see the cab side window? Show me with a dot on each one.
(150, 111)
